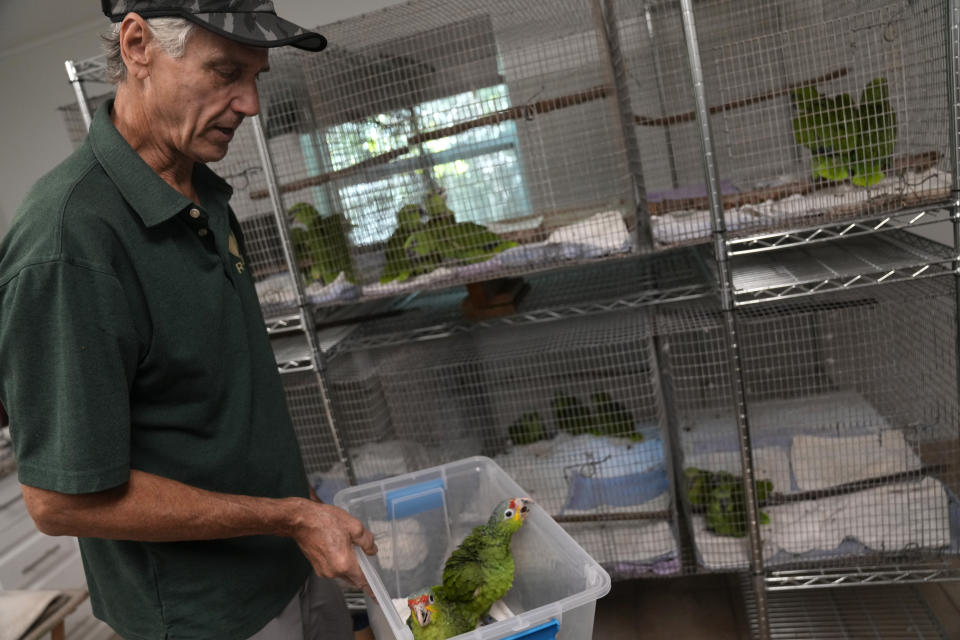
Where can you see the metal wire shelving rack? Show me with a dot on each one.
(734, 284)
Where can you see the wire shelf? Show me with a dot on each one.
(879, 613)
(819, 268)
(904, 220)
(569, 293)
(908, 571)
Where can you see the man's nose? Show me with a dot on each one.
(247, 101)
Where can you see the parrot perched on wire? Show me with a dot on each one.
(480, 571)
(321, 245)
(612, 418)
(571, 415)
(432, 618)
(721, 495)
(847, 140)
(442, 238)
(527, 429)
(398, 265)
(417, 246)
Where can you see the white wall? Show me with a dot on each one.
(33, 138)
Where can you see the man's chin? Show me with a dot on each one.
(211, 153)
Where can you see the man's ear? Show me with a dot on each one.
(135, 35)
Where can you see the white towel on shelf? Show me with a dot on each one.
(610, 542)
(888, 518)
(820, 462)
(601, 234)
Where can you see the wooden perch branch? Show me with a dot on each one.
(316, 181)
(513, 113)
(518, 112)
(690, 116)
(914, 162)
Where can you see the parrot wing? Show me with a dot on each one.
(462, 573)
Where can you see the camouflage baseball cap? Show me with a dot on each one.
(252, 22)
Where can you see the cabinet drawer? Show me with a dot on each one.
(33, 559)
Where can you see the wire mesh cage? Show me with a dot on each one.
(852, 408)
(435, 144)
(570, 410)
(820, 112)
(596, 289)
(317, 446)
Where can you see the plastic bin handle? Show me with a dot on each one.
(408, 501)
(545, 631)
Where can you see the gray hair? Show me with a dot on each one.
(171, 36)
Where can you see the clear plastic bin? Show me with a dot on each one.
(419, 518)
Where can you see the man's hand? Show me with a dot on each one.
(151, 508)
(326, 535)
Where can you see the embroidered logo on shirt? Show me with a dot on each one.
(234, 249)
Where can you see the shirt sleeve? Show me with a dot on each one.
(69, 351)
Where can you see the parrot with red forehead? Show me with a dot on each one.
(480, 571)
(435, 619)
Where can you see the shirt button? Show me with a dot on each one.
(202, 233)
(194, 213)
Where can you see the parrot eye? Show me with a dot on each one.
(508, 514)
(430, 598)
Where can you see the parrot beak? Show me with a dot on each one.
(524, 509)
(422, 613)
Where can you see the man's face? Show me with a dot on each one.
(196, 102)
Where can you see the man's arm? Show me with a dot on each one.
(151, 508)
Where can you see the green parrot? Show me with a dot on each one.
(612, 418)
(321, 248)
(527, 429)
(878, 133)
(398, 265)
(847, 140)
(572, 416)
(722, 496)
(480, 571)
(417, 247)
(437, 209)
(463, 242)
(432, 618)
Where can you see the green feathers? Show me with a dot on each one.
(434, 619)
(320, 244)
(607, 417)
(480, 571)
(847, 140)
(721, 497)
(429, 237)
(527, 429)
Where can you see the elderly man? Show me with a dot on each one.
(147, 415)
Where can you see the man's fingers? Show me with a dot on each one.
(365, 542)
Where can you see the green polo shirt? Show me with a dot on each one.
(131, 338)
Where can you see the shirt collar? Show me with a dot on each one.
(154, 200)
